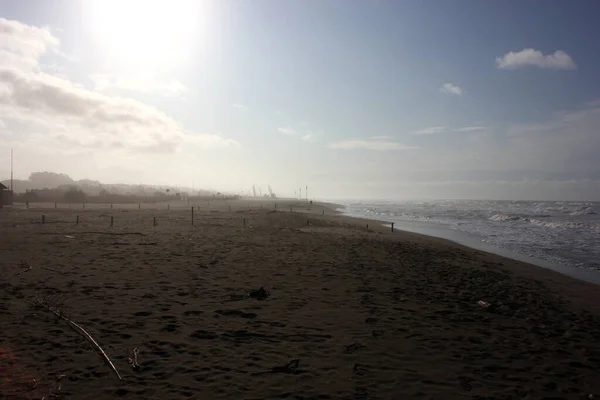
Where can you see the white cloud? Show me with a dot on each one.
(309, 137)
(287, 131)
(430, 131)
(69, 114)
(240, 106)
(439, 129)
(381, 137)
(24, 39)
(21, 45)
(377, 145)
(452, 89)
(531, 57)
(142, 83)
(471, 129)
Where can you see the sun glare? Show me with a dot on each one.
(154, 34)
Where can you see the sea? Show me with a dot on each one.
(557, 234)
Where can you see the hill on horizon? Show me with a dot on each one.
(52, 180)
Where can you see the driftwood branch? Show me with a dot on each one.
(80, 331)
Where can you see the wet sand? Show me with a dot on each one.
(349, 313)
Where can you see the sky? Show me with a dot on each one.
(354, 99)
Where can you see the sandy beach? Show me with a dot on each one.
(347, 312)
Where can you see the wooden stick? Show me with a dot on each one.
(83, 332)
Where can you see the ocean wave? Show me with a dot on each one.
(584, 211)
(517, 217)
(546, 223)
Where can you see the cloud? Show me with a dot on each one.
(309, 137)
(430, 131)
(535, 58)
(376, 145)
(567, 142)
(240, 106)
(287, 131)
(452, 89)
(68, 114)
(471, 129)
(22, 45)
(439, 129)
(142, 83)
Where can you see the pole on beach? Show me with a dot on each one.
(77, 220)
(139, 206)
(112, 220)
(392, 227)
(154, 222)
(244, 221)
(43, 219)
(192, 215)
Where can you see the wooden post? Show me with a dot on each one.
(139, 206)
(154, 222)
(367, 227)
(307, 221)
(244, 221)
(192, 215)
(392, 227)
(323, 212)
(112, 220)
(77, 220)
(229, 207)
(43, 219)
(290, 208)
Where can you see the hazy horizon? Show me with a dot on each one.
(356, 100)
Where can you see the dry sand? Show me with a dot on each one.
(368, 314)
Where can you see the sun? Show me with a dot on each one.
(153, 34)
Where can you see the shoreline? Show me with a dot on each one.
(467, 240)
